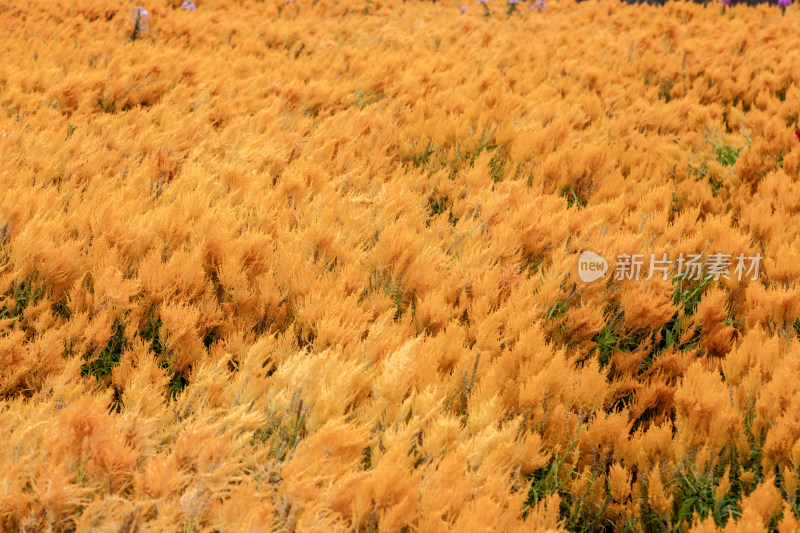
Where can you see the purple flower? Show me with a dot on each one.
(513, 1)
(139, 20)
(188, 5)
(463, 9)
(539, 3)
(784, 3)
(481, 1)
(139, 13)
(726, 2)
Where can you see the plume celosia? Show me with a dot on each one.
(292, 266)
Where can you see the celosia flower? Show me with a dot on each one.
(188, 5)
(619, 482)
(797, 134)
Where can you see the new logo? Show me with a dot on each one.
(591, 266)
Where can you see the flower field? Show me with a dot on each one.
(316, 266)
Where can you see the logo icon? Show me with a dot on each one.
(591, 266)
